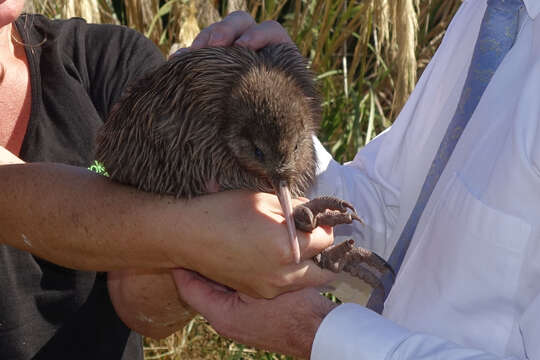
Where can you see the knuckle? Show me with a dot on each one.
(204, 31)
(271, 23)
(264, 289)
(284, 254)
(280, 283)
(277, 284)
(272, 286)
(239, 13)
(274, 30)
(200, 38)
(269, 293)
(323, 237)
(221, 27)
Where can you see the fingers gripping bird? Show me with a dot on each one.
(223, 118)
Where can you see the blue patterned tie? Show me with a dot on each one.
(497, 34)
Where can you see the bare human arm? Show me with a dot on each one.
(145, 300)
(80, 220)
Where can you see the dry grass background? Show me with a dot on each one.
(368, 54)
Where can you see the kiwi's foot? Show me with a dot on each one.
(325, 210)
(358, 262)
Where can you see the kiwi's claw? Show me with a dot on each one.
(358, 262)
(354, 216)
(325, 210)
(347, 205)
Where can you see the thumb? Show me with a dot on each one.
(205, 296)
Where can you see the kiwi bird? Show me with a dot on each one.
(224, 118)
(217, 119)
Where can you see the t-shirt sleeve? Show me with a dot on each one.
(115, 56)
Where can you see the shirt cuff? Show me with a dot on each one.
(353, 332)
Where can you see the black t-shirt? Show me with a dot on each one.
(78, 71)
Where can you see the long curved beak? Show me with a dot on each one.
(284, 196)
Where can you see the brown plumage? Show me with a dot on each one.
(229, 117)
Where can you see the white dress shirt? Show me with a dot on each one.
(469, 287)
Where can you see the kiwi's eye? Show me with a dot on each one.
(259, 154)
